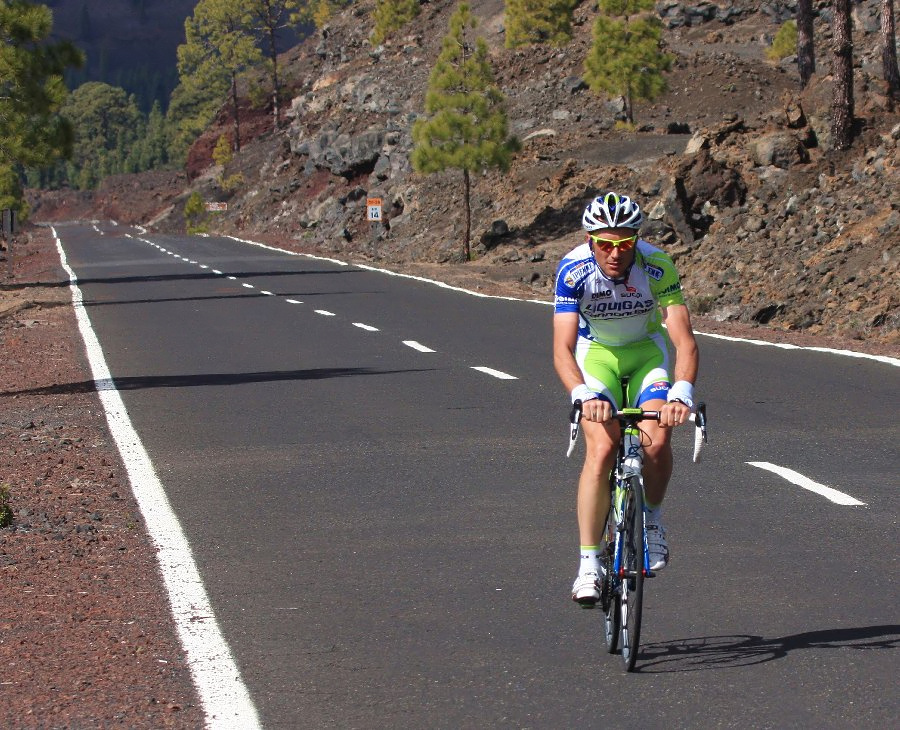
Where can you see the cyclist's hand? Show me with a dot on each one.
(674, 413)
(597, 410)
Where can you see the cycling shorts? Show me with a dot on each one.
(646, 364)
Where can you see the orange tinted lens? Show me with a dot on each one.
(605, 245)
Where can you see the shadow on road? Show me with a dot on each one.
(723, 652)
(173, 277)
(189, 381)
(223, 297)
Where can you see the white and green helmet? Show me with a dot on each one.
(612, 210)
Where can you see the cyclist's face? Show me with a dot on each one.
(614, 257)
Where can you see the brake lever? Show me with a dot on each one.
(574, 419)
(700, 436)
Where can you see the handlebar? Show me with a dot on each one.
(632, 416)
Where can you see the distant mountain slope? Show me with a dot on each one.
(128, 43)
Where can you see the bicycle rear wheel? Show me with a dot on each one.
(633, 582)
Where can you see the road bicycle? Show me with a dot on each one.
(625, 560)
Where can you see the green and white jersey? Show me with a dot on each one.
(617, 311)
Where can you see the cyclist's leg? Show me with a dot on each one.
(650, 383)
(599, 365)
(648, 389)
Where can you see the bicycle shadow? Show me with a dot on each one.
(705, 653)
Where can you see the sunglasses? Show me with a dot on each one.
(605, 245)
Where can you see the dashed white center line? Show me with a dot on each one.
(495, 373)
(423, 348)
(806, 483)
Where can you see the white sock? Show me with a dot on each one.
(654, 515)
(590, 559)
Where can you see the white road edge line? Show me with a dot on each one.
(367, 327)
(417, 346)
(895, 361)
(225, 699)
(495, 373)
(801, 481)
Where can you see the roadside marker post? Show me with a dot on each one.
(373, 215)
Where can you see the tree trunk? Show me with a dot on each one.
(235, 113)
(806, 54)
(842, 101)
(273, 53)
(468, 208)
(889, 49)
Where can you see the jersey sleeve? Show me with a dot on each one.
(664, 282)
(566, 297)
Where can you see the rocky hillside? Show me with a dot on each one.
(768, 225)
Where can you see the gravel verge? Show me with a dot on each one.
(87, 639)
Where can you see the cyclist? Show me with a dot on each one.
(613, 294)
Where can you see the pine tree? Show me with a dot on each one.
(218, 47)
(392, 15)
(626, 58)
(108, 127)
(842, 108)
(465, 127)
(268, 18)
(889, 49)
(806, 55)
(318, 12)
(32, 90)
(538, 21)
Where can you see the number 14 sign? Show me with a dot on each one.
(373, 209)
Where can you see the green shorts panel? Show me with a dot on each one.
(646, 363)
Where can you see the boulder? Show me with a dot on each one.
(781, 149)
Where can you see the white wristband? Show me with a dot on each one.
(582, 393)
(683, 391)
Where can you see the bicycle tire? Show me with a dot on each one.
(610, 598)
(633, 582)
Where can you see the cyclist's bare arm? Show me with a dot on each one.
(565, 335)
(677, 319)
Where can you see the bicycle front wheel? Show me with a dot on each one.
(609, 600)
(633, 581)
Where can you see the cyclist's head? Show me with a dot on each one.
(611, 210)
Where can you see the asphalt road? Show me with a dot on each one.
(387, 535)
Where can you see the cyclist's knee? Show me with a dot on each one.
(599, 457)
(660, 450)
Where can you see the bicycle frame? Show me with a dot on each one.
(627, 474)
